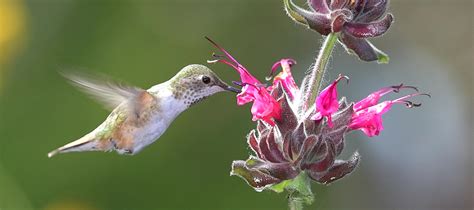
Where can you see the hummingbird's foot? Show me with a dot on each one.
(120, 150)
(125, 151)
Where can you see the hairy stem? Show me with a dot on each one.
(299, 190)
(295, 203)
(316, 75)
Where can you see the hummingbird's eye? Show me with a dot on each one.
(206, 79)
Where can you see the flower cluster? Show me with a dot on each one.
(291, 138)
(355, 20)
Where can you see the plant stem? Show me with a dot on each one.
(316, 75)
(295, 203)
(299, 192)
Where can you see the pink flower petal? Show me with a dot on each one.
(265, 107)
(369, 120)
(285, 78)
(327, 102)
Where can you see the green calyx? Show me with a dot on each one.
(292, 11)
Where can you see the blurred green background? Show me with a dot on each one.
(423, 160)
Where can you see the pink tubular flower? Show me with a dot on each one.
(367, 114)
(264, 107)
(327, 102)
(374, 97)
(285, 78)
(369, 120)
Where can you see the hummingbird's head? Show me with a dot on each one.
(196, 82)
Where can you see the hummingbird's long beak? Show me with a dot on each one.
(231, 89)
(227, 87)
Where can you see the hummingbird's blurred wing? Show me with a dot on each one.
(110, 93)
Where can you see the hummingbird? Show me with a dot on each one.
(139, 117)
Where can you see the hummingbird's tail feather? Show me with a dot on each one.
(85, 143)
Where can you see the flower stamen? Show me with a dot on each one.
(341, 76)
(408, 103)
(397, 88)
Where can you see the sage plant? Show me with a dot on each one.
(301, 129)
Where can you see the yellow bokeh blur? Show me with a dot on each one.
(12, 28)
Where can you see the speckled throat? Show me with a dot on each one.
(188, 94)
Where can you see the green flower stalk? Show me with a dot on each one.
(313, 82)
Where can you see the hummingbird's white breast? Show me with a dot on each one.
(167, 109)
